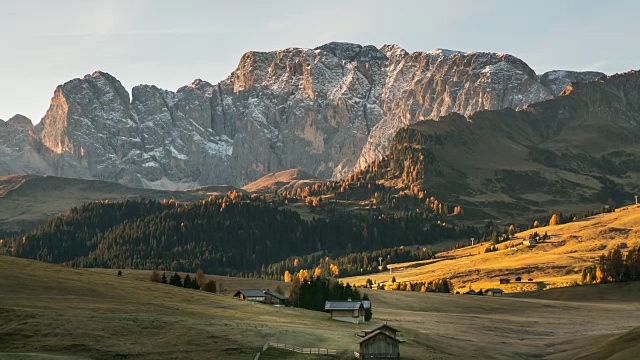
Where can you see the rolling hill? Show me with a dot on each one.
(288, 180)
(53, 312)
(28, 200)
(556, 262)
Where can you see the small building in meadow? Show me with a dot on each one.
(493, 292)
(505, 281)
(274, 298)
(349, 311)
(530, 242)
(262, 296)
(518, 278)
(379, 345)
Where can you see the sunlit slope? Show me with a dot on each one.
(553, 263)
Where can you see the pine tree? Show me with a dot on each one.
(368, 313)
(175, 280)
(187, 282)
(164, 278)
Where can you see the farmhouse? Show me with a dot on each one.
(263, 296)
(493, 292)
(380, 327)
(505, 281)
(349, 311)
(379, 345)
(530, 242)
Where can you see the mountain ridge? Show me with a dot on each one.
(575, 152)
(327, 110)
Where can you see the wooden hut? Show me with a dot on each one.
(349, 311)
(493, 292)
(274, 298)
(263, 296)
(255, 295)
(379, 345)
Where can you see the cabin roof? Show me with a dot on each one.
(342, 305)
(252, 292)
(376, 333)
(495, 290)
(276, 295)
(380, 326)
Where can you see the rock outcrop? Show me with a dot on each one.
(326, 110)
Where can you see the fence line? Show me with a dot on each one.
(297, 349)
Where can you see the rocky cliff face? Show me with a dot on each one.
(326, 110)
(570, 153)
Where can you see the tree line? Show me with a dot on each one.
(229, 235)
(614, 267)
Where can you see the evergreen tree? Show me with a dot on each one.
(164, 278)
(187, 282)
(368, 313)
(175, 280)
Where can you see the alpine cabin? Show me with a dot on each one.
(349, 311)
(379, 345)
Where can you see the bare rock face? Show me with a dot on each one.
(557, 80)
(326, 110)
(427, 85)
(18, 153)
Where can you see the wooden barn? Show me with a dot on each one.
(262, 296)
(349, 311)
(274, 298)
(379, 345)
(493, 292)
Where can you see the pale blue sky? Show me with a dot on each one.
(170, 43)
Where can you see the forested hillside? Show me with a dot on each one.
(234, 234)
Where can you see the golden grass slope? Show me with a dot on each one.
(555, 263)
(288, 179)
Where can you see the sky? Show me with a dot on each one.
(170, 43)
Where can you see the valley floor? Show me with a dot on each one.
(52, 312)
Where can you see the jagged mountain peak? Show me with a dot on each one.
(393, 51)
(341, 50)
(20, 120)
(445, 52)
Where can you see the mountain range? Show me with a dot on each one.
(328, 111)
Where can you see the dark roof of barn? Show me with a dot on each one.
(252, 292)
(276, 295)
(376, 333)
(494, 290)
(380, 326)
(342, 305)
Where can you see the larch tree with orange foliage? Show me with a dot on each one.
(287, 276)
